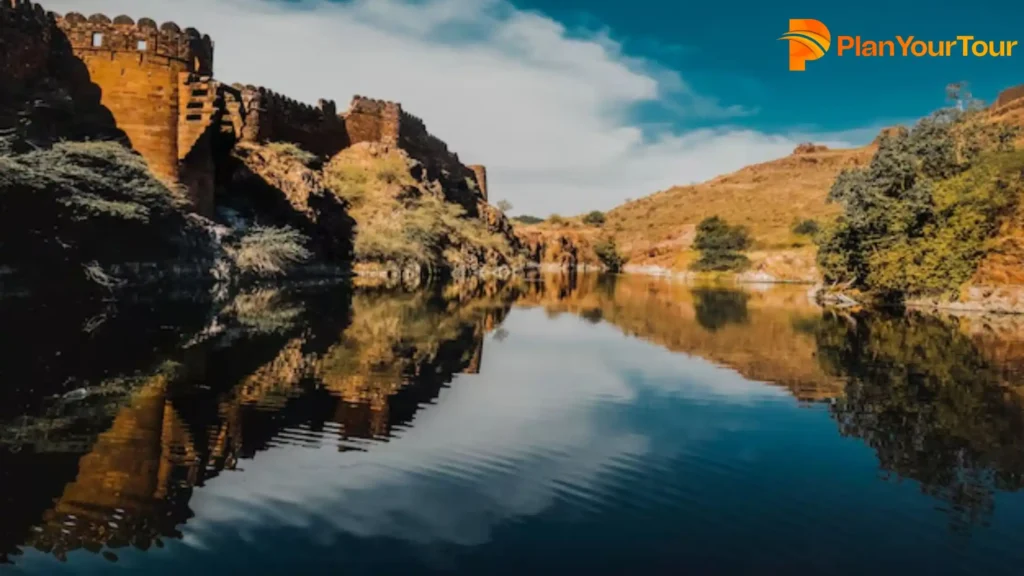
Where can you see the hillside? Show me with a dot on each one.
(656, 232)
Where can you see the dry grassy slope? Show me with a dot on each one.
(767, 198)
(658, 230)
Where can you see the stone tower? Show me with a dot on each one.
(156, 82)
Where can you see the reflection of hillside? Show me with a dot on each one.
(755, 333)
(280, 372)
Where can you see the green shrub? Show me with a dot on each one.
(721, 261)
(608, 253)
(526, 219)
(292, 151)
(268, 251)
(720, 245)
(556, 219)
(808, 227)
(71, 212)
(715, 233)
(594, 218)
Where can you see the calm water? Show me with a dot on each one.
(593, 426)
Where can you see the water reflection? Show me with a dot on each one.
(924, 396)
(118, 450)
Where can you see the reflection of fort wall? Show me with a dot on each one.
(121, 490)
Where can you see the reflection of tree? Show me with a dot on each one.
(922, 396)
(717, 307)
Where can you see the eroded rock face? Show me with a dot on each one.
(555, 248)
(273, 183)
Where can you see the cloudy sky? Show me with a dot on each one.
(576, 105)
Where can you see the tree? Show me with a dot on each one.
(916, 219)
(720, 245)
(594, 218)
(504, 205)
(608, 253)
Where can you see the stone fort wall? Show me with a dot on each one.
(156, 81)
(26, 34)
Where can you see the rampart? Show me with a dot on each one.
(269, 116)
(26, 33)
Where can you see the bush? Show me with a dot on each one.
(720, 245)
(504, 205)
(70, 212)
(526, 219)
(290, 150)
(807, 227)
(556, 219)
(721, 261)
(608, 253)
(268, 251)
(594, 218)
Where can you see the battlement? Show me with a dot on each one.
(99, 33)
(25, 14)
(372, 106)
(26, 35)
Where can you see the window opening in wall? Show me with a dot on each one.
(97, 39)
(142, 45)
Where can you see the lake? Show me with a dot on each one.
(562, 425)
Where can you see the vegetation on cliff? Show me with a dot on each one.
(404, 219)
(917, 220)
(91, 216)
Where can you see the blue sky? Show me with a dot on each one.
(576, 105)
(730, 50)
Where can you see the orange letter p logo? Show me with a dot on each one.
(808, 40)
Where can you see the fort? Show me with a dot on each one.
(158, 84)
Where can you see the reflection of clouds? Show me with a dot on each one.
(538, 426)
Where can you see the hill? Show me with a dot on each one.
(656, 232)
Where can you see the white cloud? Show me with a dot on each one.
(546, 111)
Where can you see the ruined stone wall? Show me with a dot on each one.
(26, 33)
(481, 179)
(369, 120)
(271, 117)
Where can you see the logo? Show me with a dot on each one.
(808, 40)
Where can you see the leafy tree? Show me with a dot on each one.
(594, 218)
(504, 205)
(720, 245)
(916, 219)
(608, 253)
